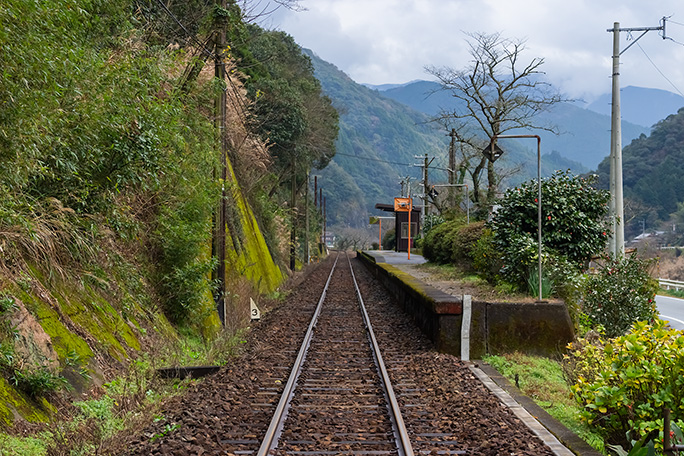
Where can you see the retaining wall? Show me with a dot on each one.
(496, 327)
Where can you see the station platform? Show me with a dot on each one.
(392, 257)
(437, 312)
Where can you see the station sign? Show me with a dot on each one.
(402, 204)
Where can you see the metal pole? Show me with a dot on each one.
(617, 240)
(380, 235)
(539, 199)
(409, 223)
(539, 216)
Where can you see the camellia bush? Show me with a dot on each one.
(574, 223)
(619, 293)
(624, 385)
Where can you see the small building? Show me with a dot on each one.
(401, 225)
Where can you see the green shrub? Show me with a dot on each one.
(573, 223)
(38, 382)
(437, 245)
(626, 384)
(389, 240)
(7, 303)
(431, 221)
(620, 293)
(486, 258)
(452, 242)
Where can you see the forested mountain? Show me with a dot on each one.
(379, 138)
(653, 167)
(584, 134)
(377, 142)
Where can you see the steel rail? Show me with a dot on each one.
(275, 428)
(400, 431)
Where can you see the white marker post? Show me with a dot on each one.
(254, 312)
(465, 327)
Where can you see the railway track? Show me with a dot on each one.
(338, 398)
(335, 400)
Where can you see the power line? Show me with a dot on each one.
(659, 71)
(190, 35)
(373, 159)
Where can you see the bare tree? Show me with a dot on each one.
(495, 93)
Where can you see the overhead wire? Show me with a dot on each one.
(373, 159)
(659, 71)
(670, 21)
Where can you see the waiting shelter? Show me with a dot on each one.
(401, 226)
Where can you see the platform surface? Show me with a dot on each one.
(392, 257)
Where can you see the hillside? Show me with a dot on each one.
(652, 174)
(377, 142)
(381, 133)
(584, 134)
(146, 201)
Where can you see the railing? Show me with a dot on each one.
(671, 284)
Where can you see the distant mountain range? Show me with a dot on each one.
(638, 105)
(584, 133)
(641, 106)
(384, 130)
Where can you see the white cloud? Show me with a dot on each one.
(391, 41)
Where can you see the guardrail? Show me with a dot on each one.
(671, 284)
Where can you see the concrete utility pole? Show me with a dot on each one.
(616, 242)
(219, 244)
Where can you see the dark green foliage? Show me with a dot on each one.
(573, 224)
(291, 111)
(389, 240)
(658, 158)
(486, 259)
(94, 132)
(38, 383)
(452, 242)
(620, 293)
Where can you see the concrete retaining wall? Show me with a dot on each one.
(495, 328)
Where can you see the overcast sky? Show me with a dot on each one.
(392, 41)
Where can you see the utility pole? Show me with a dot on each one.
(306, 218)
(293, 208)
(616, 242)
(316, 192)
(452, 167)
(325, 220)
(425, 186)
(426, 189)
(219, 243)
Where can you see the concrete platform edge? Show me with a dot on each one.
(570, 441)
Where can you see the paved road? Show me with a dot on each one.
(672, 310)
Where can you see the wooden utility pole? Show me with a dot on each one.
(306, 218)
(219, 243)
(452, 167)
(316, 192)
(293, 206)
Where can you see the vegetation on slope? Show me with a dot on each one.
(652, 169)
(109, 168)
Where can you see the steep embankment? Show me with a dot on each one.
(109, 192)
